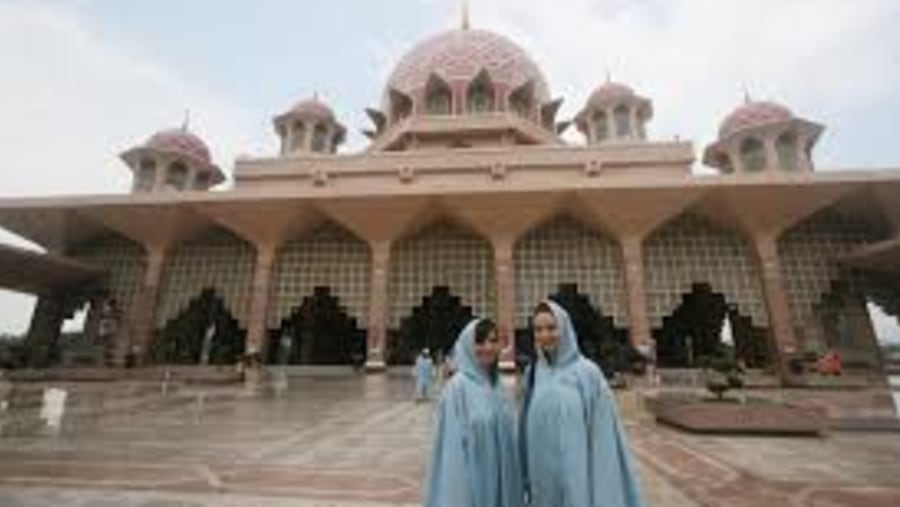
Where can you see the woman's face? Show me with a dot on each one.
(546, 332)
(487, 351)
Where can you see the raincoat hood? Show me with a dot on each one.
(567, 349)
(464, 358)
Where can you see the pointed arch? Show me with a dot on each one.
(786, 147)
(146, 176)
(480, 94)
(442, 254)
(217, 260)
(204, 332)
(753, 154)
(819, 287)
(177, 175)
(327, 256)
(438, 96)
(298, 135)
(563, 250)
(688, 250)
(318, 330)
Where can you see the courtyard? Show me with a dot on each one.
(344, 441)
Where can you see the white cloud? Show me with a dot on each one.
(824, 59)
(72, 100)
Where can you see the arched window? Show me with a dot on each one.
(601, 125)
(786, 146)
(521, 100)
(753, 155)
(480, 97)
(298, 136)
(146, 175)
(623, 121)
(177, 176)
(320, 138)
(438, 99)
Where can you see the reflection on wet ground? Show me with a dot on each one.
(361, 441)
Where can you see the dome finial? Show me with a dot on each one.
(187, 120)
(747, 98)
(465, 14)
(608, 75)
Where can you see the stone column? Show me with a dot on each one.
(803, 158)
(257, 337)
(737, 161)
(378, 305)
(506, 301)
(775, 292)
(162, 172)
(772, 162)
(633, 121)
(191, 179)
(638, 323)
(43, 332)
(611, 124)
(143, 328)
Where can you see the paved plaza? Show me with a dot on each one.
(360, 441)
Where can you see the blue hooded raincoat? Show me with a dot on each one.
(574, 450)
(474, 459)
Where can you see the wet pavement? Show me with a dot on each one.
(360, 441)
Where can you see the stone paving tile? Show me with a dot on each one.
(359, 441)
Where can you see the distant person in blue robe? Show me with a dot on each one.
(474, 457)
(424, 372)
(575, 452)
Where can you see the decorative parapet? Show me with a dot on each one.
(665, 159)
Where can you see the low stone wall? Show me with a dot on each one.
(756, 416)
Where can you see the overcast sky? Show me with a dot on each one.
(83, 80)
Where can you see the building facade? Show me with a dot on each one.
(467, 201)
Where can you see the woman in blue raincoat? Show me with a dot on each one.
(575, 452)
(424, 373)
(474, 458)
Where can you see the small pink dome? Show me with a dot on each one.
(312, 107)
(462, 55)
(610, 92)
(754, 114)
(180, 142)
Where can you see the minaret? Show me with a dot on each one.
(465, 15)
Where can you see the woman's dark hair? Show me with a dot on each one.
(483, 329)
(543, 307)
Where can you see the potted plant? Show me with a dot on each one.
(722, 371)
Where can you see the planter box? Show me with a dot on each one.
(729, 416)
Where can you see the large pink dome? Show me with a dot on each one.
(461, 55)
(753, 114)
(180, 142)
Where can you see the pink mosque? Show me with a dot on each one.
(468, 201)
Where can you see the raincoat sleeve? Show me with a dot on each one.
(527, 389)
(447, 484)
(611, 471)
